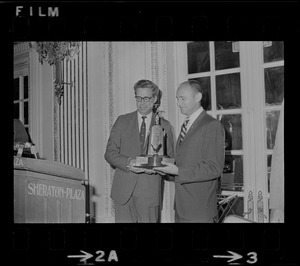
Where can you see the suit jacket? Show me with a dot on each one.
(200, 160)
(124, 143)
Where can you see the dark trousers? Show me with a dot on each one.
(179, 219)
(136, 211)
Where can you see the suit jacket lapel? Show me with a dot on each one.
(191, 129)
(152, 121)
(135, 128)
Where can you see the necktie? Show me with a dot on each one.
(143, 132)
(183, 129)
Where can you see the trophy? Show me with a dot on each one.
(156, 153)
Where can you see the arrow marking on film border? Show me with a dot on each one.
(84, 257)
(234, 256)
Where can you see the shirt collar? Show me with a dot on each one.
(194, 116)
(149, 116)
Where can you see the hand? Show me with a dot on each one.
(160, 173)
(138, 170)
(149, 171)
(132, 168)
(170, 168)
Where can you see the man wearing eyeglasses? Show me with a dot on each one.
(137, 193)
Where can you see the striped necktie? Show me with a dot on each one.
(184, 129)
(143, 132)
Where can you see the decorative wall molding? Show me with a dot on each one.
(71, 118)
(154, 63)
(159, 71)
(159, 76)
(55, 122)
(167, 204)
(108, 103)
(111, 117)
(164, 84)
(106, 125)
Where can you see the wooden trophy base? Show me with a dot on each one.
(154, 161)
(149, 162)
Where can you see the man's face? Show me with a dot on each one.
(188, 100)
(144, 107)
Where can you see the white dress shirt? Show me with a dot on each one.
(193, 117)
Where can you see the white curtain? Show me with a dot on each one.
(277, 173)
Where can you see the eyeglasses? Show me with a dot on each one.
(145, 99)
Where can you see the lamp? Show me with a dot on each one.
(55, 53)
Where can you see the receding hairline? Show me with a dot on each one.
(188, 85)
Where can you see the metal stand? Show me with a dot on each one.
(225, 204)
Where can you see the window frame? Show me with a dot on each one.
(20, 75)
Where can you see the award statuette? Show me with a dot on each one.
(156, 149)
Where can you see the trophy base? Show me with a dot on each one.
(149, 162)
(145, 166)
(154, 161)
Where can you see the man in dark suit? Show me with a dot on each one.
(136, 192)
(199, 159)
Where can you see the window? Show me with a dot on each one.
(216, 66)
(243, 85)
(21, 100)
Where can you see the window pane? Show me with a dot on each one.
(16, 89)
(16, 110)
(26, 113)
(25, 87)
(206, 96)
(232, 178)
(238, 207)
(225, 57)
(228, 91)
(275, 52)
(269, 164)
(233, 131)
(274, 85)
(27, 130)
(272, 118)
(198, 57)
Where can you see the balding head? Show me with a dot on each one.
(189, 95)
